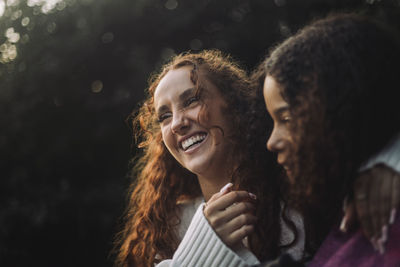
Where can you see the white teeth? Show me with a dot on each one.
(192, 140)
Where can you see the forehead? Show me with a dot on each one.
(272, 94)
(173, 82)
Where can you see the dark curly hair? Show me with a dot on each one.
(159, 180)
(262, 126)
(340, 78)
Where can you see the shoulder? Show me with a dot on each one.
(288, 235)
(186, 210)
(353, 249)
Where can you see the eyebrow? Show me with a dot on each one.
(182, 97)
(185, 94)
(280, 110)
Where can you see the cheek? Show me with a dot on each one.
(289, 137)
(198, 114)
(281, 138)
(289, 146)
(201, 114)
(166, 138)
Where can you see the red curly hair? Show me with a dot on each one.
(160, 182)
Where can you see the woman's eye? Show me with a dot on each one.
(286, 119)
(163, 117)
(191, 101)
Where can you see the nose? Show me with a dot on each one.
(275, 142)
(180, 123)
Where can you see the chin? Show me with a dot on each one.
(198, 167)
(290, 176)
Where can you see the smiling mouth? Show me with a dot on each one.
(288, 170)
(193, 140)
(285, 167)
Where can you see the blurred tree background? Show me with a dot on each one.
(71, 71)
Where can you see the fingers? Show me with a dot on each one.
(225, 189)
(233, 231)
(238, 235)
(219, 216)
(385, 196)
(374, 202)
(224, 201)
(377, 194)
(385, 201)
(361, 189)
(395, 197)
(243, 219)
(235, 211)
(236, 223)
(349, 218)
(230, 214)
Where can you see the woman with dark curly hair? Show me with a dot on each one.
(331, 90)
(197, 135)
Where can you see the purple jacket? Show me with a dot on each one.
(354, 250)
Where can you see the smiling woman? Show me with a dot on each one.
(198, 135)
(328, 89)
(200, 145)
(280, 140)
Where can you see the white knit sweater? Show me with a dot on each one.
(200, 245)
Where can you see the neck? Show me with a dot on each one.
(216, 176)
(212, 184)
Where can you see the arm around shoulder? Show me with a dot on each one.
(389, 155)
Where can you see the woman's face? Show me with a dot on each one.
(280, 140)
(200, 148)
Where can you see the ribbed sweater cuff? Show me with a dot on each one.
(390, 156)
(202, 247)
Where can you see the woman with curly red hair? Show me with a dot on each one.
(197, 135)
(331, 90)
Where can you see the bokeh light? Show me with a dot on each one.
(12, 2)
(8, 52)
(171, 4)
(47, 5)
(16, 15)
(97, 86)
(196, 44)
(167, 53)
(11, 35)
(107, 37)
(51, 27)
(2, 7)
(25, 21)
(280, 3)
